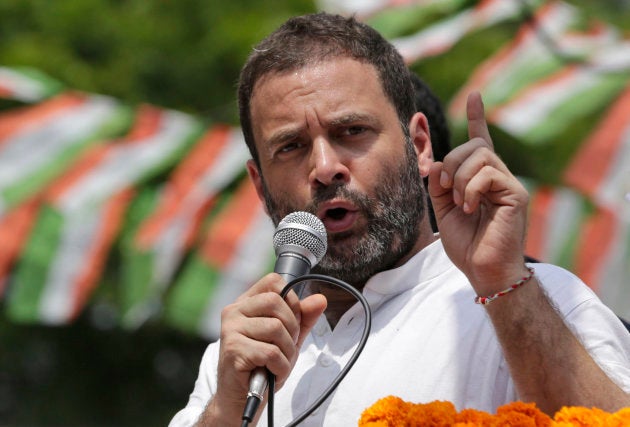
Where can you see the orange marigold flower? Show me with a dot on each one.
(474, 417)
(620, 418)
(433, 414)
(523, 414)
(386, 412)
(392, 411)
(579, 416)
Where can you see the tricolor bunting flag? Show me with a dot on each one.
(603, 251)
(83, 211)
(365, 9)
(156, 248)
(566, 229)
(237, 251)
(601, 167)
(556, 215)
(39, 142)
(26, 84)
(63, 260)
(15, 226)
(544, 109)
(440, 37)
(531, 56)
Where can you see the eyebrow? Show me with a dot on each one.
(285, 135)
(354, 118)
(282, 136)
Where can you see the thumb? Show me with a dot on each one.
(312, 308)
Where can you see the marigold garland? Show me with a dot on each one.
(392, 411)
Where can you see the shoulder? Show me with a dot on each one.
(563, 287)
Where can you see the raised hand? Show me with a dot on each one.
(480, 207)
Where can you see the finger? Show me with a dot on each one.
(441, 197)
(470, 166)
(248, 354)
(271, 305)
(477, 125)
(496, 187)
(269, 330)
(461, 154)
(434, 187)
(271, 282)
(313, 307)
(268, 326)
(293, 302)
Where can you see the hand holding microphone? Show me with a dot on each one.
(300, 242)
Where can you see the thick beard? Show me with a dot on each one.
(393, 218)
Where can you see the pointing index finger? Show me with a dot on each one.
(477, 126)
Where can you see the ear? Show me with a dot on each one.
(421, 139)
(254, 175)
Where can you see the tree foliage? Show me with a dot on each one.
(183, 54)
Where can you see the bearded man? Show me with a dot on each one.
(327, 110)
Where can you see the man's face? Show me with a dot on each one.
(330, 143)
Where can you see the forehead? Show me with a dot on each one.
(321, 90)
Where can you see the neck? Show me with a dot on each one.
(340, 301)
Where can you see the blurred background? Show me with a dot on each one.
(125, 219)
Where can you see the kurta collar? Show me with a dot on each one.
(424, 266)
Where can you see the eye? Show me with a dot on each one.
(354, 130)
(286, 148)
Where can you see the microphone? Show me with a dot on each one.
(300, 242)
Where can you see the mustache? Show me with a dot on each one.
(340, 191)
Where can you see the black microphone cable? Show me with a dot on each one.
(253, 401)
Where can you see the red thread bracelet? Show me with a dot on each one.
(518, 284)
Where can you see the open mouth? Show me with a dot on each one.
(336, 214)
(338, 219)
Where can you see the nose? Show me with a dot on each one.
(327, 164)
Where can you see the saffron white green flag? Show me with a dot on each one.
(441, 36)
(155, 249)
(62, 260)
(83, 212)
(26, 84)
(601, 167)
(600, 171)
(541, 111)
(539, 49)
(53, 133)
(37, 144)
(567, 230)
(15, 226)
(237, 251)
(613, 272)
(556, 215)
(603, 251)
(366, 9)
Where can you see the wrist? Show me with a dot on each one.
(525, 276)
(219, 413)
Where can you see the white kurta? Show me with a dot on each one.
(429, 341)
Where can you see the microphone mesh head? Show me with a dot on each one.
(303, 230)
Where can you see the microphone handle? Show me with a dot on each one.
(257, 387)
(289, 265)
(258, 383)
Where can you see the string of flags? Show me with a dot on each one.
(149, 210)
